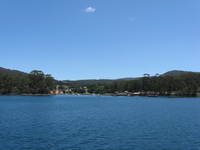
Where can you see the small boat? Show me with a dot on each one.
(152, 95)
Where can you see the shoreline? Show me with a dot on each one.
(107, 94)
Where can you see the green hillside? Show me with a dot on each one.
(178, 83)
(11, 72)
(177, 73)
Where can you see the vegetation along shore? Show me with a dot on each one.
(172, 83)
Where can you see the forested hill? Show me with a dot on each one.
(83, 82)
(11, 72)
(179, 83)
(16, 82)
(91, 81)
(102, 81)
(177, 73)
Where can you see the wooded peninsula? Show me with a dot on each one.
(173, 83)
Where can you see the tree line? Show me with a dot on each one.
(182, 85)
(36, 82)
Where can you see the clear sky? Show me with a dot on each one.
(100, 39)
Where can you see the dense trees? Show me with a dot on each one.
(34, 83)
(182, 85)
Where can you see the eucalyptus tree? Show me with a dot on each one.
(40, 83)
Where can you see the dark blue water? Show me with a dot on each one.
(103, 123)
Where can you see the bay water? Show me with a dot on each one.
(82, 122)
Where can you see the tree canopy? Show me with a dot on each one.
(34, 83)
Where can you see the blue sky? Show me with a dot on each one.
(100, 39)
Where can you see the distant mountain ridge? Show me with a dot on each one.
(177, 73)
(12, 72)
(92, 81)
